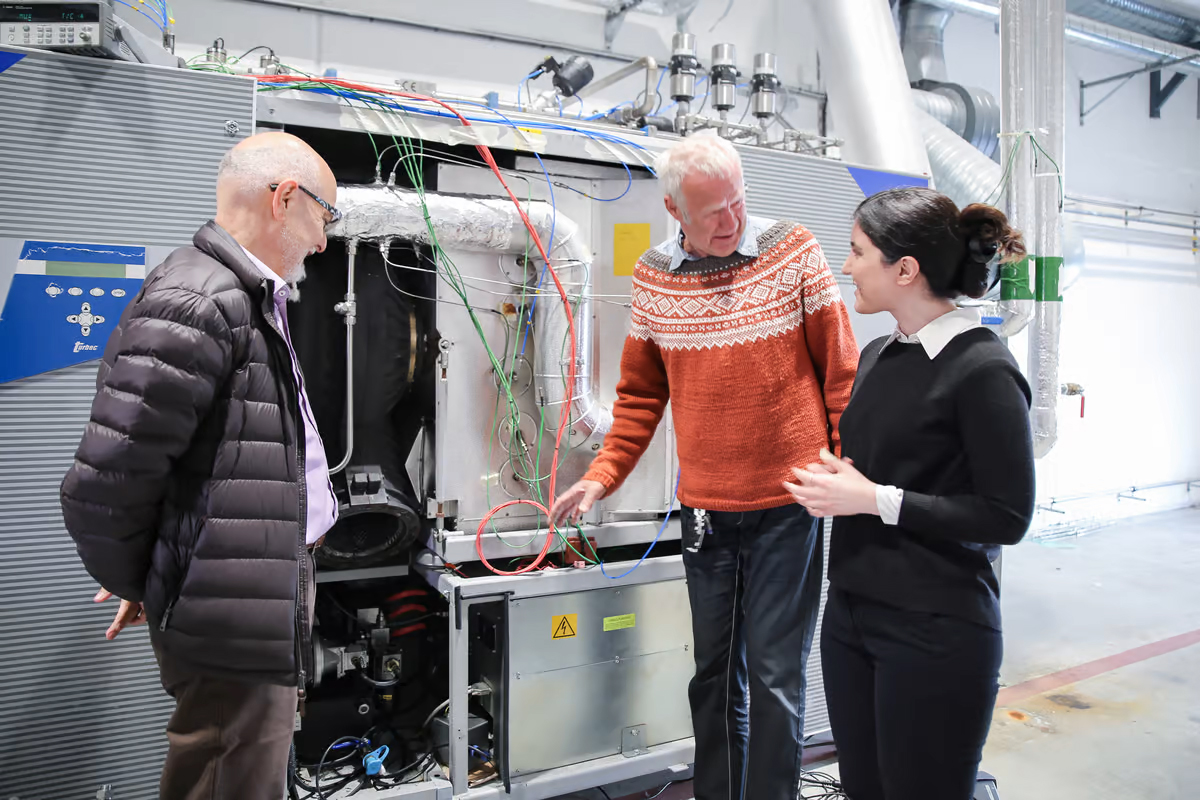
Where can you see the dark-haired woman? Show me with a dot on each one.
(937, 473)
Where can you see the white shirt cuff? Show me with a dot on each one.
(888, 500)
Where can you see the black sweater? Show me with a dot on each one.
(953, 434)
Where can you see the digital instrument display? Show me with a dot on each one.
(49, 12)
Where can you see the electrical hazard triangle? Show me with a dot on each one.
(565, 627)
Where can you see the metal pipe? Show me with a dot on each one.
(1017, 41)
(348, 308)
(1137, 16)
(1135, 220)
(1050, 122)
(1095, 35)
(645, 62)
(377, 213)
(1132, 207)
(865, 71)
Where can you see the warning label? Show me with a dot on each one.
(565, 627)
(620, 623)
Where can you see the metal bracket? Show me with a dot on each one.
(1160, 94)
(440, 509)
(1130, 495)
(633, 741)
(1155, 71)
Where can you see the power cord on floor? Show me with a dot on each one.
(820, 786)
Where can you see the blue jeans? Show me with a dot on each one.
(755, 588)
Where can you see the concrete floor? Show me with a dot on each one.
(1133, 730)
(1125, 726)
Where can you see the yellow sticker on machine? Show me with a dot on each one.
(565, 627)
(630, 240)
(620, 623)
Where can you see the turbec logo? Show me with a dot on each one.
(80, 347)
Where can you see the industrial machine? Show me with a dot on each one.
(460, 374)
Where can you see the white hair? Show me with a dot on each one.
(255, 168)
(703, 152)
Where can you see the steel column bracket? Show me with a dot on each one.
(1160, 94)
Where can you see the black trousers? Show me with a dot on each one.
(910, 698)
(755, 588)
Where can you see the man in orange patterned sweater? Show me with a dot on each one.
(739, 323)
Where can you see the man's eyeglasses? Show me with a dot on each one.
(335, 216)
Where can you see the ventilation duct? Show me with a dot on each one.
(867, 83)
(1132, 15)
(922, 30)
(959, 171)
(1098, 36)
(971, 113)
(378, 213)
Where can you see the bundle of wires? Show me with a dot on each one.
(387, 99)
(523, 463)
(344, 765)
(157, 11)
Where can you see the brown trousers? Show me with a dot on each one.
(227, 739)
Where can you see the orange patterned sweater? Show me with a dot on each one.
(756, 357)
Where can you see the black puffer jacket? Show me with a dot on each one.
(187, 491)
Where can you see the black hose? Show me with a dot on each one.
(378, 684)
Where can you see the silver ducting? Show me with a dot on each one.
(972, 113)
(1133, 15)
(922, 32)
(867, 83)
(1098, 36)
(959, 171)
(1050, 121)
(1017, 41)
(378, 213)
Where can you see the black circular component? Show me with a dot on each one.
(368, 537)
(572, 75)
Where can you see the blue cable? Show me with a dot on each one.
(530, 76)
(160, 25)
(661, 529)
(628, 186)
(604, 114)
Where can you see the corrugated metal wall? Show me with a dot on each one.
(820, 195)
(101, 152)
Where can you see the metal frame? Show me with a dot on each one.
(1158, 95)
(461, 594)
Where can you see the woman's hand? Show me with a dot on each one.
(833, 488)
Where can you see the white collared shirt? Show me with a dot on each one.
(933, 338)
(937, 334)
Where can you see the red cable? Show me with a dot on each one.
(406, 609)
(486, 154)
(407, 594)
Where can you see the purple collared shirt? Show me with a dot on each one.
(322, 505)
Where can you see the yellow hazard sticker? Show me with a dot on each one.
(565, 627)
(620, 623)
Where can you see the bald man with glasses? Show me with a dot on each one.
(201, 484)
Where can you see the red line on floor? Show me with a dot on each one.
(1056, 680)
